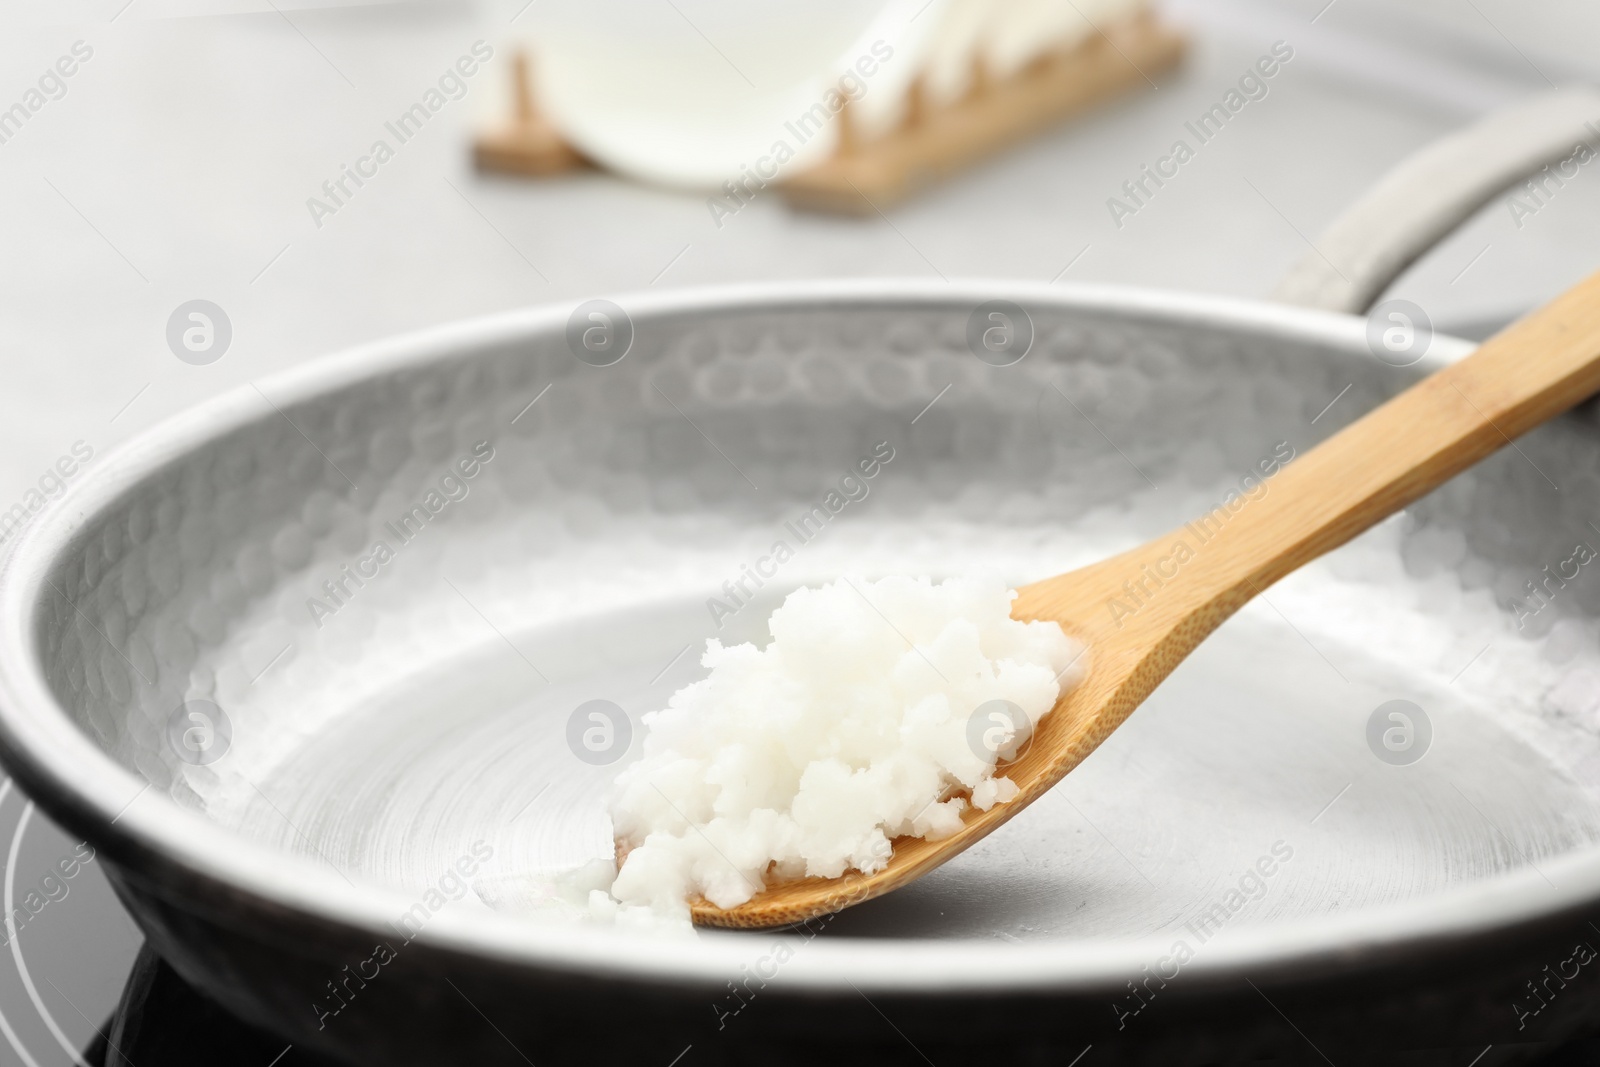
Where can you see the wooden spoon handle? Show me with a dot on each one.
(1527, 374)
(1160, 600)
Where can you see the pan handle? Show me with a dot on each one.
(1432, 192)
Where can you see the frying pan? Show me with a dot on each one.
(320, 775)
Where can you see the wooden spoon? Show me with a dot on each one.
(1529, 373)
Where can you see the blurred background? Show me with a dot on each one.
(204, 151)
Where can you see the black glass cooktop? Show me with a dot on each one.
(162, 1022)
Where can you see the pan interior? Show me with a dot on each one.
(386, 715)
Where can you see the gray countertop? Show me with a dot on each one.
(179, 162)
